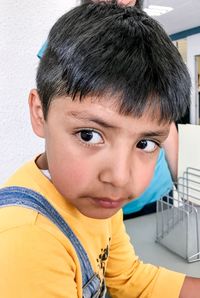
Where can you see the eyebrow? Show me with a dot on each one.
(86, 116)
(92, 118)
(159, 133)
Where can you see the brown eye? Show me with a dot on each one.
(86, 135)
(147, 145)
(90, 136)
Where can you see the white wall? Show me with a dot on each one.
(24, 26)
(193, 47)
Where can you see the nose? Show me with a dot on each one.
(117, 169)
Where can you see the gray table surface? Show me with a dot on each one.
(142, 231)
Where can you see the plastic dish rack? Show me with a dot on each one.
(178, 217)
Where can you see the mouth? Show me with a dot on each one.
(108, 203)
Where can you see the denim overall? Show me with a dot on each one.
(20, 196)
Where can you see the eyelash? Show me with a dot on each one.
(157, 145)
(88, 130)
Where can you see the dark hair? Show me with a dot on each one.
(139, 4)
(102, 48)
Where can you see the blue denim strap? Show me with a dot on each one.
(24, 197)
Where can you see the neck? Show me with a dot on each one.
(41, 161)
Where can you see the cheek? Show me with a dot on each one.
(71, 173)
(72, 169)
(144, 177)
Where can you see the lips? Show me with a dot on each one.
(108, 203)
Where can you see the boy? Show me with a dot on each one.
(108, 86)
(166, 165)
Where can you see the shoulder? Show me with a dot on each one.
(26, 242)
(14, 217)
(34, 260)
(19, 223)
(31, 235)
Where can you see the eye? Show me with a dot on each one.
(147, 145)
(90, 136)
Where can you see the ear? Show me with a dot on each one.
(36, 113)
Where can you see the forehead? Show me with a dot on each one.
(112, 100)
(105, 111)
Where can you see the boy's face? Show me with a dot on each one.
(98, 159)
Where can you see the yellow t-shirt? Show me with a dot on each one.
(37, 260)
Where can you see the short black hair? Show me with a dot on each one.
(104, 48)
(139, 4)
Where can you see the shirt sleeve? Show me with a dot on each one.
(35, 264)
(129, 277)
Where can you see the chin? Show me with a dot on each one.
(97, 214)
